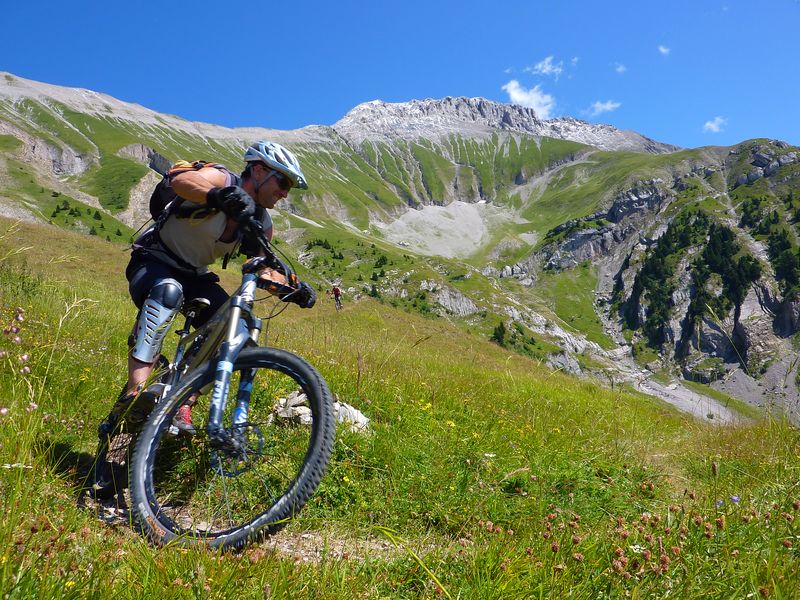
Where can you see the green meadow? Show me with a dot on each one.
(484, 475)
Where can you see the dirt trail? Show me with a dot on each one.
(689, 401)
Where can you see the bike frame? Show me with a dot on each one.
(219, 341)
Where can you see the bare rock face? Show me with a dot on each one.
(645, 196)
(757, 341)
(626, 212)
(681, 298)
(766, 159)
(138, 211)
(378, 120)
(148, 156)
(713, 337)
(58, 160)
(449, 299)
(564, 362)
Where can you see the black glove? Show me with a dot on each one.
(304, 297)
(233, 201)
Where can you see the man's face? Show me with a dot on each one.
(274, 186)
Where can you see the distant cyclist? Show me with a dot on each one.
(337, 296)
(169, 262)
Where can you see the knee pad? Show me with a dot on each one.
(161, 306)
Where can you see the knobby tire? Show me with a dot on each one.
(187, 491)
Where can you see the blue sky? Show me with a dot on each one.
(688, 73)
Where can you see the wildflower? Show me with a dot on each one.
(555, 547)
(719, 503)
(721, 522)
(576, 539)
(796, 504)
(32, 406)
(676, 551)
(3, 411)
(577, 557)
(734, 553)
(787, 543)
(3, 353)
(787, 516)
(735, 499)
(764, 592)
(23, 358)
(16, 339)
(25, 370)
(69, 584)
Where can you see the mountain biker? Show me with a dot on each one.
(169, 262)
(337, 296)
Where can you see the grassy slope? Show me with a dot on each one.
(469, 443)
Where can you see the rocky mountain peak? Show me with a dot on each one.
(436, 118)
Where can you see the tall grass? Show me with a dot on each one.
(494, 477)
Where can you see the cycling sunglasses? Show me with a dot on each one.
(283, 181)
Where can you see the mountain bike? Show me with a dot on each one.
(252, 463)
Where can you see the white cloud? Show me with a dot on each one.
(620, 68)
(546, 67)
(574, 61)
(664, 50)
(533, 98)
(598, 107)
(715, 126)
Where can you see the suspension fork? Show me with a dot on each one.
(241, 411)
(229, 350)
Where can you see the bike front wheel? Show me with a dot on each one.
(246, 480)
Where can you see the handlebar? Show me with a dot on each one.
(295, 291)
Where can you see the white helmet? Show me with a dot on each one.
(279, 158)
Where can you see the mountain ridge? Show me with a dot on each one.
(422, 118)
(379, 120)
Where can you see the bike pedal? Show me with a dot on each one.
(174, 431)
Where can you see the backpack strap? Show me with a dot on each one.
(177, 206)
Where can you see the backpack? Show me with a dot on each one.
(164, 201)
